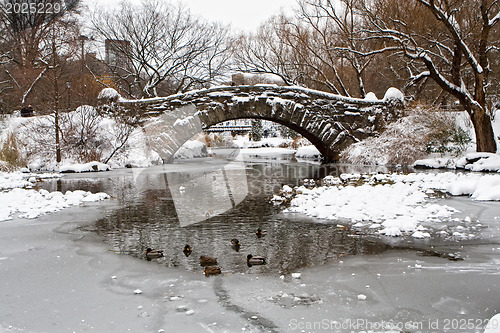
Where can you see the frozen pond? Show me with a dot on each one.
(77, 270)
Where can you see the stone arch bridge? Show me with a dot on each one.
(331, 122)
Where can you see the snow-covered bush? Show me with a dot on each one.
(451, 139)
(85, 136)
(10, 157)
(421, 131)
(79, 129)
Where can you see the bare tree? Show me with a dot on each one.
(266, 52)
(449, 42)
(25, 28)
(312, 49)
(165, 47)
(336, 23)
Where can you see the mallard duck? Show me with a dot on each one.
(255, 260)
(153, 254)
(212, 270)
(187, 250)
(208, 261)
(260, 232)
(235, 244)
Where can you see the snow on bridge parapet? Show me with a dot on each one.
(227, 91)
(331, 122)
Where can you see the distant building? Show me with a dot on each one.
(116, 50)
(250, 79)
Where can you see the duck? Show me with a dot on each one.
(255, 260)
(153, 254)
(208, 261)
(212, 271)
(260, 232)
(235, 244)
(187, 250)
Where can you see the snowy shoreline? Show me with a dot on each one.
(395, 204)
(19, 199)
(479, 162)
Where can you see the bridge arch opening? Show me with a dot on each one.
(240, 130)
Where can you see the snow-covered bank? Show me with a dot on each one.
(474, 162)
(242, 141)
(10, 180)
(85, 167)
(191, 149)
(19, 200)
(31, 203)
(272, 148)
(308, 152)
(396, 204)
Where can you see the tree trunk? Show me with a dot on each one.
(485, 138)
(361, 84)
(58, 143)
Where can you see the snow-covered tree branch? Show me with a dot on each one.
(165, 48)
(450, 41)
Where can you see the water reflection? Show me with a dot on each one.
(208, 209)
(206, 203)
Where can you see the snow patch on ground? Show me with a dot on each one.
(27, 203)
(10, 180)
(473, 162)
(191, 149)
(86, 167)
(309, 152)
(18, 199)
(243, 142)
(395, 204)
(277, 146)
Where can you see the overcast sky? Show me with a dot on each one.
(244, 15)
